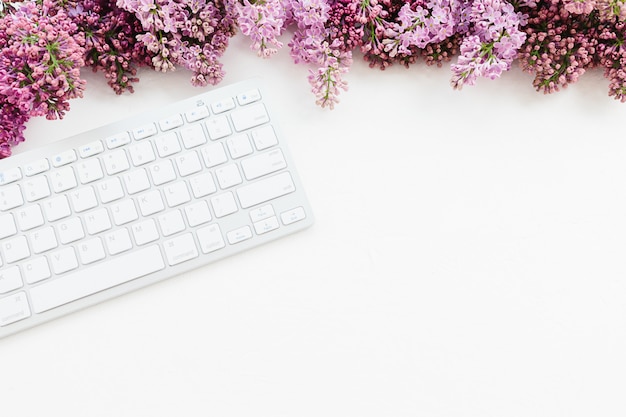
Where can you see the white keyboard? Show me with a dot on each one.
(123, 206)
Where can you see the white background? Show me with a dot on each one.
(468, 259)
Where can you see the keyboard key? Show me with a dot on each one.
(198, 213)
(29, 217)
(118, 241)
(63, 260)
(261, 213)
(150, 203)
(176, 194)
(145, 131)
(193, 136)
(116, 271)
(210, 238)
(64, 158)
(124, 212)
(91, 149)
(239, 146)
(197, 113)
(263, 164)
(223, 105)
(248, 97)
(141, 153)
(15, 249)
(36, 167)
(171, 223)
(162, 172)
(202, 185)
(117, 140)
(188, 163)
(136, 181)
(218, 127)
(57, 208)
(83, 199)
(10, 279)
(266, 190)
(249, 117)
(89, 170)
(264, 137)
(224, 204)
(10, 175)
(228, 176)
(43, 240)
(180, 249)
(239, 235)
(63, 179)
(266, 225)
(10, 197)
(145, 232)
(7, 225)
(90, 251)
(110, 190)
(70, 230)
(171, 122)
(116, 162)
(36, 188)
(97, 221)
(167, 145)
(213, 155)
(293, 215)
(36, 269)
(13, 308)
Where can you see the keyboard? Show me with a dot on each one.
(123, 206)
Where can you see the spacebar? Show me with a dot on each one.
(87, 281)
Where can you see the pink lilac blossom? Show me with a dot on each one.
(418, 26)
(559, 48)
(492, 45)
(41, 55)
(111, 45)
(312, 44)
(189, 33)
(263, 22)
(609, 9)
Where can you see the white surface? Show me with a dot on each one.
(467, 260)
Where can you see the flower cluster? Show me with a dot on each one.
(44, 43)
(41, 52)
(189, 33)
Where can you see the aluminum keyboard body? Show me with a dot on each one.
(125, 205)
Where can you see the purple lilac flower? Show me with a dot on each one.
(610, 9)
(111, 45)
(579, 6)
(191, 33)
(262, 21)
(492, 44)
(312, 44)
(41, 55)
(419, 26)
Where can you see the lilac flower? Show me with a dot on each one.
(579, 6)
(263, 21)
(560, 46)
(312, 44)
(610, 9)
(40, 58)
(417, 26)
(492, 45)
(189, 33)
(111, 45)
